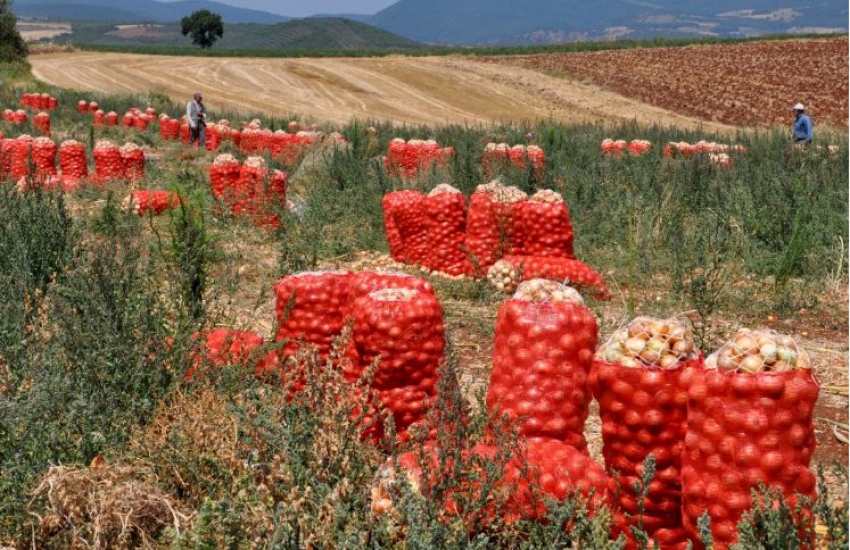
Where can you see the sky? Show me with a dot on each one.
(303, 8)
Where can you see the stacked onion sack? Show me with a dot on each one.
(108, 162)
(545, 338)
(542, 226)
(444, 210)
(258, 192)
(640, 378)
(44, 157)
(489, 225)
(501, 157)
(41, 122)
(133, 161)
(169, 128)
(72, 159)
(392, 204)
(407, 217)
(406, 159)
(402, 329)
(16, 156)
(224, 175)
(749, 423)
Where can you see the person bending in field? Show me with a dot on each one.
(802, 130)
(196, 113)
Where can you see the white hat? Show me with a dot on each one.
(798, 107)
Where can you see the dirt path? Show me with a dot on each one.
(430, 90)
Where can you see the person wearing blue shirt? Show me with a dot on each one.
(802, 125)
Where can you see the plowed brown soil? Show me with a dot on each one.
(745, 84)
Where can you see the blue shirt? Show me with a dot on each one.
(803, 128)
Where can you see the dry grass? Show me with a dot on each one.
(106, 506)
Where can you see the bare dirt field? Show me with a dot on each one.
(745, 84)
(430, 90)
(37, 30)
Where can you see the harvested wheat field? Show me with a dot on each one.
(747, 84)
(423, 90)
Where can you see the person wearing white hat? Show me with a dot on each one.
(802, 130)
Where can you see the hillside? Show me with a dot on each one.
(552, 21)
(325, 33)
(138, 11)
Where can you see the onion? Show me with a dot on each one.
(751, 364)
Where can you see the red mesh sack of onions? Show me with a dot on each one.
(19, 117)
(508, 272)
(391, 204)
(257, 192)
(17, 156)
(495, 159)
(542, 469)
(212, 138)
(133, 160)
(640, 378)
(108, 162)
(140, 122)
(542, 226)
(749, 423)
(639, 146)
(543, 348)
(41, 122)
(310, 309)
(82, 106)
(222, 347)
(611, 147)
(44, 156)
(184, 133)
(72, 159)
(394, 161)
(444, 210)
(489, 222)
(402, 329)
(224, 174)
(93, 106)
(169, 129)
(127, 120)
(99, 118)
(112, 118)
(409, 216)
(142, 201)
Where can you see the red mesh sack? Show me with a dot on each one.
(749, 422)
(394, 161)
(52, 103)
(495, 159)
(25, 100)
(543, 469)
(169, 129)
(41, 122)
(133, 161)
(409, 216)
(72, 159)
(82, 106)
(309, 310)
(511, 270)
(93, 106)
(224, 175)
(222, 347)
(640, 378)
(444, 211)
(543, 349)
(112, 118)
(391, 204)
(404, 329)
(44, 157)
(142, 201)
(150, 112)
(212, 138)
(250, 141)
(18, 155)
(19, 117)
(489, 222)
(184, 133)
(99, 118)
(108, 162)
(127, 120)
(140, 122)
(542, 226)
(258, 192)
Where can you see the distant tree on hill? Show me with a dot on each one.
(205, 27)
(12, 45)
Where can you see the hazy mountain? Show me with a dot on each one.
(137, 11)
(547, 21)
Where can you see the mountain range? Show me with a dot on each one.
(467, 22)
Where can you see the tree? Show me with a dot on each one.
(205, 27)
(12, 45)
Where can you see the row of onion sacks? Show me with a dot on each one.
(396, 319)
(716, 429)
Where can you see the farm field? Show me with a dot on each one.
(127, 420)
(749, 84)
(417, 90)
